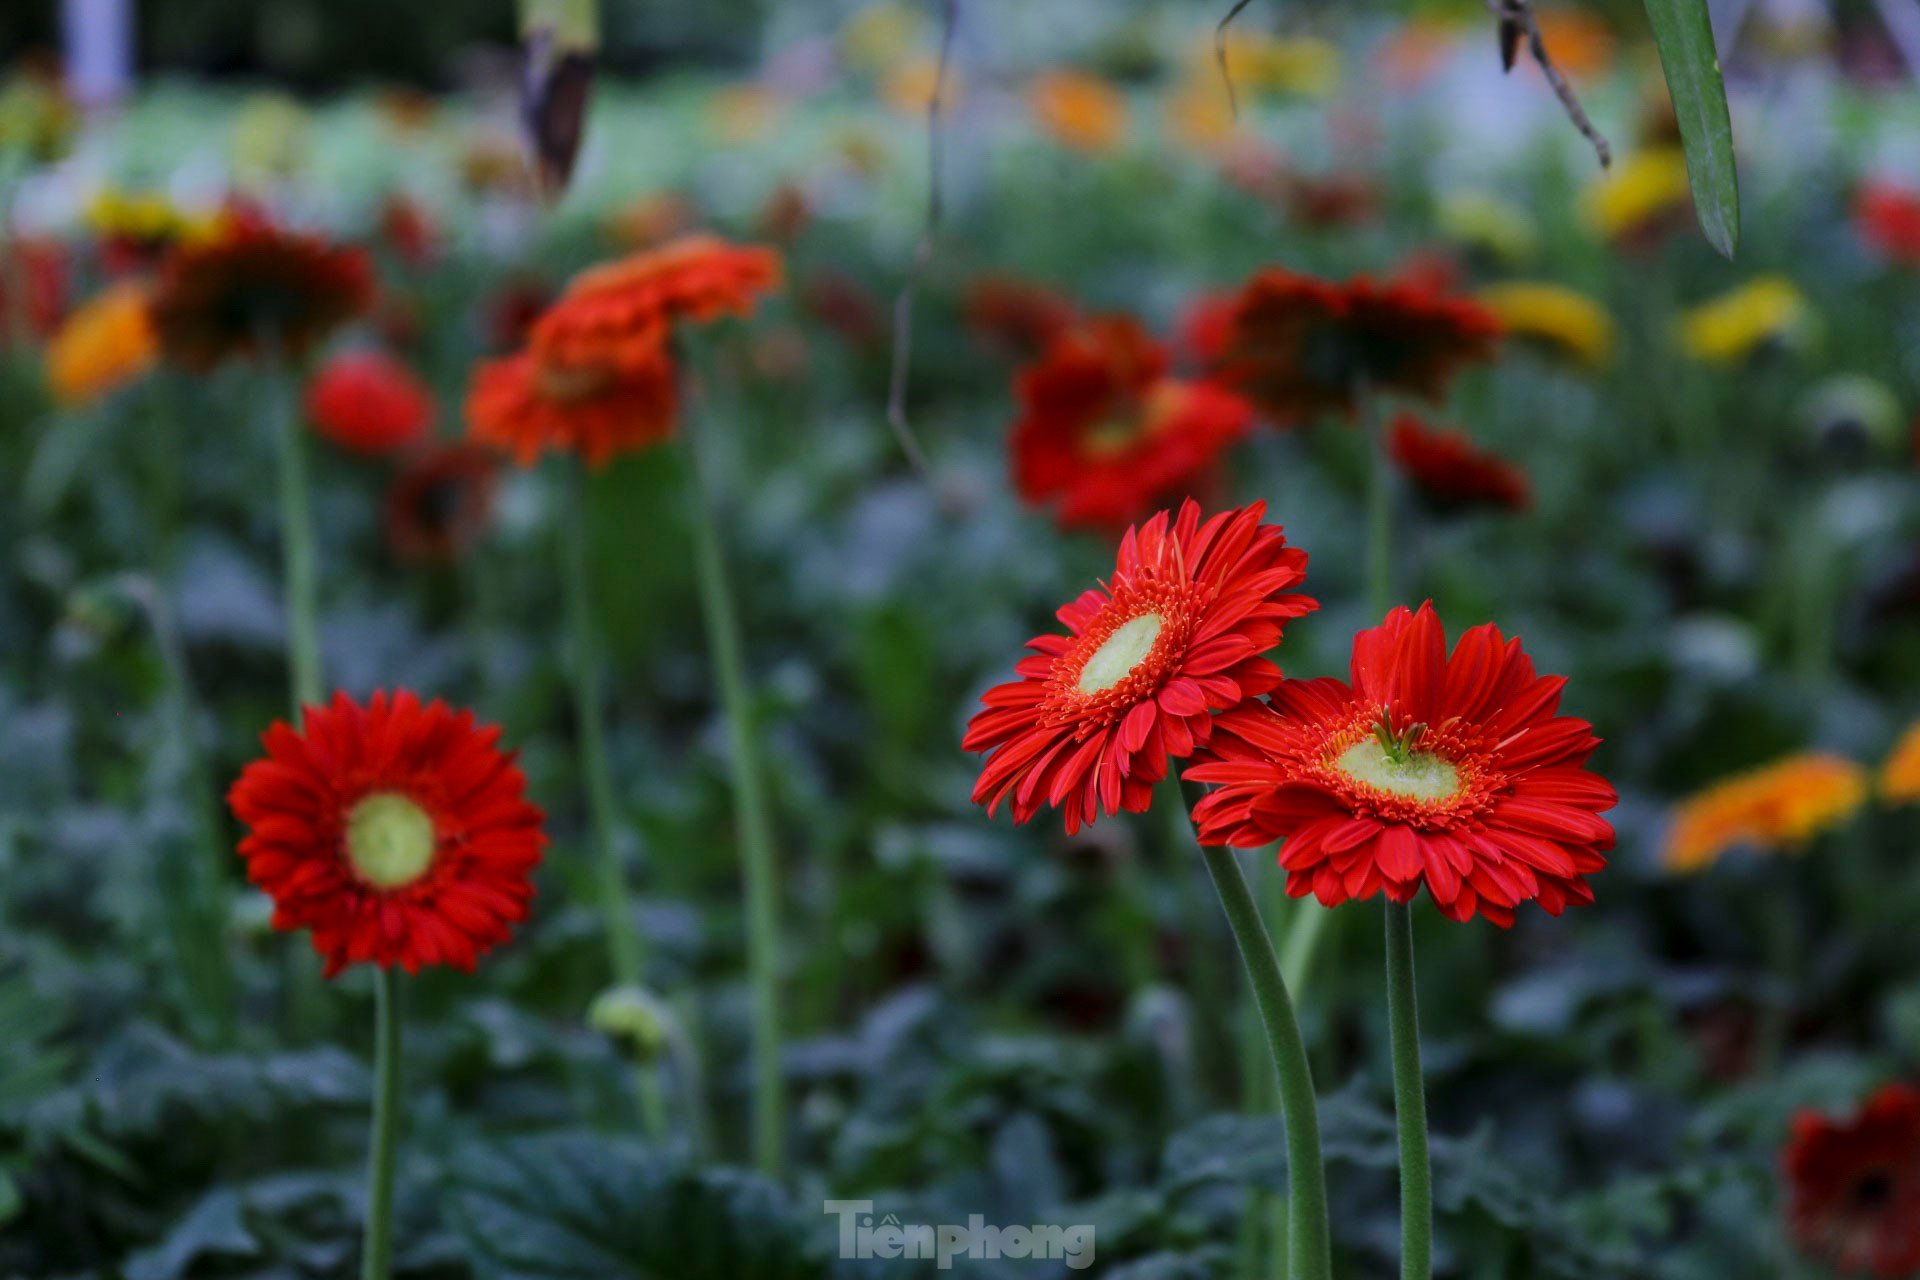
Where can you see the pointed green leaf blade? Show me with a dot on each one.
(1684, 36)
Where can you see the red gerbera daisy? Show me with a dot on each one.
(1299, 347)
(255, 283)
(368, 402)
(523, 407)
(1453, 771)
(1889, 219)
(1104, 434)
(1853, 1186)
(441, 503)
(619, 314)
(1145, 662)
(1451, 472)
(398, 833)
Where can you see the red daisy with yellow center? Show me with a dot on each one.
(619, 315)
(524, 407)
(398, 833)
(1300, 347)
(1105, 435)
(1452, 771)
(1179, 634)
(1853, 1185)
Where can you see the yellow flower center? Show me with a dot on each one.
(1121, 653)
(390, 840)
(1416, 775)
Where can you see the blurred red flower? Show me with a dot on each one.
(1104, 434)
(255, 284)
(397, 832)
(1853, 1186)
(1451, 472)
(524, 407)
(1300, 347)
(1179, 634)
(441, 503)
(1017, 316)
(1449, 771)
(1888, 217)
(409, 229)
(40, 268)
(370, 403)
(619, 314)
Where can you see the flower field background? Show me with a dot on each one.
(709, 489)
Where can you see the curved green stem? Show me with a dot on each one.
(1309, 1244)
(1409, 1098)
(376, 1259)
(750, 816)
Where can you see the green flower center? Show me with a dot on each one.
(1417, 775)
(390, 840)
(1121, 652)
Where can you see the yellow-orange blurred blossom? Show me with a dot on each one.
(908, 87)
(102, 346)
(1778, 807)
(1641, 192)
(1900, 775)
(1769, 311)
(1079, 110)
(1552, 316)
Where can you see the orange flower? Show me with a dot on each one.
(523, 407)
(103, 346)
(1781, 806)
(618, 315)
(1900, 775)
(1078, 110)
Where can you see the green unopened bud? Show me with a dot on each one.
(633, 1019)
(1853, 418)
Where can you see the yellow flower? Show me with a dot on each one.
(1553, 316)
(1900, 775)
(1196, 114)
(1733, 326)
(1778, 807)
(36, 118)
(1641, 190)
(908, 88)
(102, 346)
(1502, 230)
(1261, 63)
(145, 217)
(1079, 110)
(875, 37)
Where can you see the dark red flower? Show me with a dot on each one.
(1451, 472)
(1017, 316)
(251, 284)
(1853, 1186)
(441, 503)
(398, 833)
(1204, 326)
(512, 312)
(1449, 771)
(1104, 435)
(1300, 347)
(1179, 634)
(407, 227)
(847, 307)
(368, 402)
(40, 268)
(1888, 217)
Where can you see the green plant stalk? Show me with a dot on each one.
(1409, 1098)
(1309, 1244)
(1210, 1007)
(376, 1258)
(626, 952)
(750, 816)
(299, 566)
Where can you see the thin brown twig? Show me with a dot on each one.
(1220, 56)
(922, 253)
(1520, 13)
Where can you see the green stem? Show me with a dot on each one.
(750, 816)
(1409, 1098)
(1309, 1244)
(1308, 922)
(376, 1260)
(299, 567)
(1206, 981)
(625, 948)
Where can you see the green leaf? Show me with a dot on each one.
(1684, 36)
(582, 1207)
